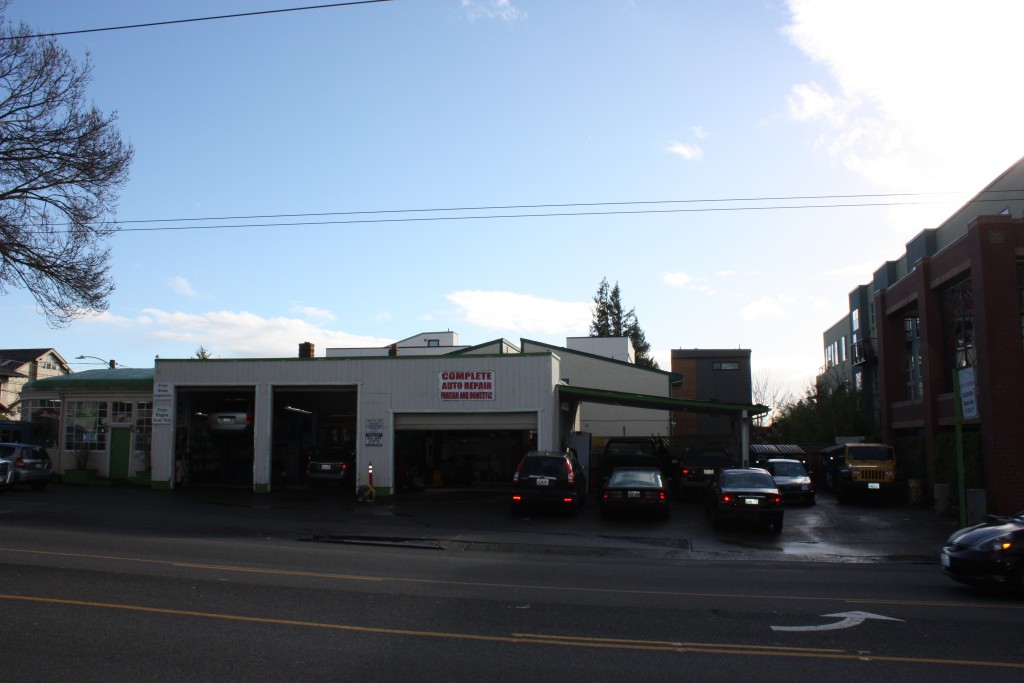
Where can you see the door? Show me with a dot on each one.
(120, 452)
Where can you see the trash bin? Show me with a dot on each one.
(976, 505)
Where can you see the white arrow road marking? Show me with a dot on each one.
(848, 619)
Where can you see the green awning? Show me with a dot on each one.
(118, 378)
(619, 398)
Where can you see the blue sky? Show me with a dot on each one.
(428, 108)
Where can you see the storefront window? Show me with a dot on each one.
(86, 426)
(44, 414)
(143, 425)
(120, 413)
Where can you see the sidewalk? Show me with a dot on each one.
(479, 520)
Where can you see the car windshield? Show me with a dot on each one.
(6, 451)
(870, 453)
(787, 469)
(747, 480)
(630, 448)
(707, 458)
(626, 477)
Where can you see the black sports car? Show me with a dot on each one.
(988, 553)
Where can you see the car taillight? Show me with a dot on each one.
(570, 474)
(19, 463)
(726, 498)
(686, 472)
(516, 497)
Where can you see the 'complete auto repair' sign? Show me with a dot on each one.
(467, 385)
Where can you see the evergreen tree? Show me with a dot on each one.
(610, 321)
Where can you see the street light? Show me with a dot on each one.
(112, 363)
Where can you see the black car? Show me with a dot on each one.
(635, 451)
(698, 468)
(988, 553)
(636, 490)
(792, 480)
(745, 494)
(549, 479)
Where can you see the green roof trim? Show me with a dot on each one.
(118, 378)
(620, 398)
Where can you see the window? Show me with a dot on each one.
(431, 343)
(121, 413)
(86, 426)
(725, 365)
(143, 425)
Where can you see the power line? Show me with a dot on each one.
(198, 19)
(388, 215)
(562, 214)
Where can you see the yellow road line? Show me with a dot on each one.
(536, 639)
(512, 586)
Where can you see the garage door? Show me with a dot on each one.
(434, 421)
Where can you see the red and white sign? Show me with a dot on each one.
(467, 385)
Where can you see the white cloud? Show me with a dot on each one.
(700, 132)
(492, 9)
(676, 279)
(181, 286)
(508, 311)
(313, 312)
(246, 335)
(923, 93)
(782, 307)
(688, 152)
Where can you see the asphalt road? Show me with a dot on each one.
(93, 603)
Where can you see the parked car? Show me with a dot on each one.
(747, 495)
(987, 553)
(698, 468)
(549, 479)
(229, 421)
(332, 465)
(26, 464)
(792, 480)
(636, 451)
(636, 490)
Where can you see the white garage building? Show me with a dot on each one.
(423, 408)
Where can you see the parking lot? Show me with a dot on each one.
(479, 518)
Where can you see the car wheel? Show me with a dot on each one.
(776, 525)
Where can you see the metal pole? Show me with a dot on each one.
(958, 413)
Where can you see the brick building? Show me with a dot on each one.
(953, 302)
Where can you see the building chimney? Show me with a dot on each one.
(307, 350)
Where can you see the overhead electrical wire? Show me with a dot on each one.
(198, 19)
(387, 215)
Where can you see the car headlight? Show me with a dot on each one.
(1001, 545)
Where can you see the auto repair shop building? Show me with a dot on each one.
(447, 419)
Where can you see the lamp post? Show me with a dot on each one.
(112, 363)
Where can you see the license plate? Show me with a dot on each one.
(225, 420)
(944, 559)
(632, 494)
(542, 482)
(751, 501)
(874, 485)
(325, 467)
(709, 472)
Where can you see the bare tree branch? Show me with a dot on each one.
(62, 166)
